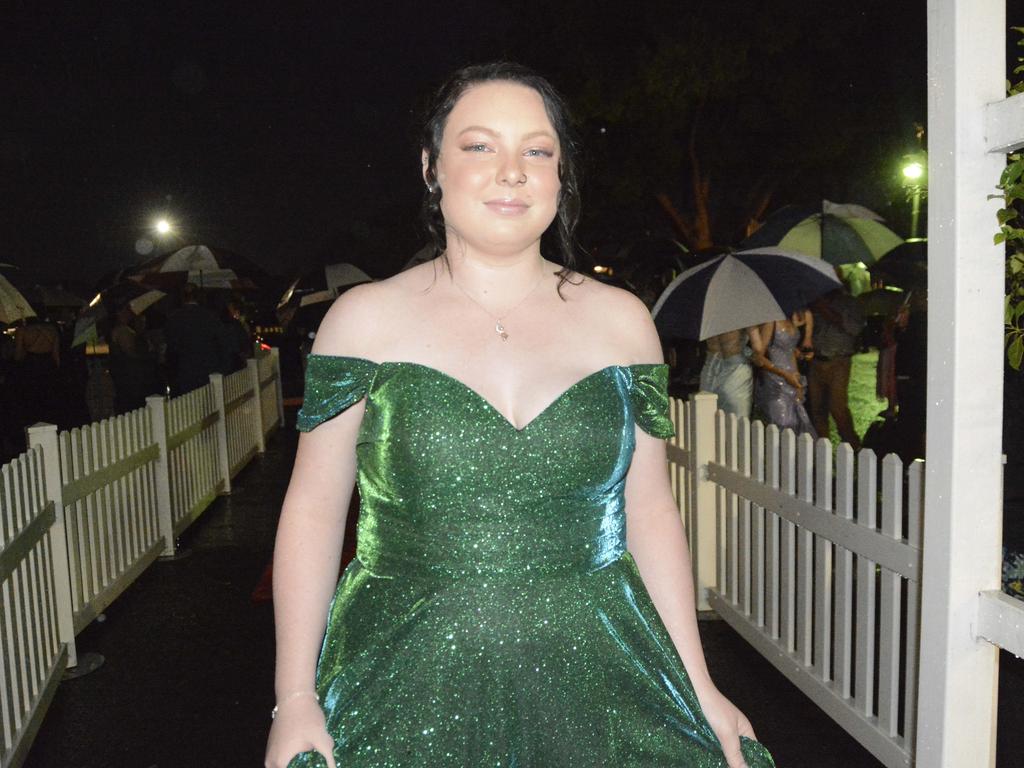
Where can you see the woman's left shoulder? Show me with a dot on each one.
(622, 318)
(603, 298)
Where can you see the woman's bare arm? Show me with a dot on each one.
(308, 547)
(656, 539)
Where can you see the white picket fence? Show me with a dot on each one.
(809, 562)
(85, 511)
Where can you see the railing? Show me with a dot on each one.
(188, 433)
(31, 557)
(809, 564)
(110, 507)
(85, 511)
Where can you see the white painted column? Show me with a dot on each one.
(963, 515)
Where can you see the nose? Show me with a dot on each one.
(511, 171)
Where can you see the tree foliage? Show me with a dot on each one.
(705, 115)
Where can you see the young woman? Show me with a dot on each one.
(780, 389)
(504, 417)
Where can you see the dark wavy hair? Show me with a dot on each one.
(559, 238)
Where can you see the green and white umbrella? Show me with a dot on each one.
(839, 233)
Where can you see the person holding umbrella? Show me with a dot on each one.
(840, 322)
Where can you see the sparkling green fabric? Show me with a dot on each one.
(493, 616)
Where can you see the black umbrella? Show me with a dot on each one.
(905, 265)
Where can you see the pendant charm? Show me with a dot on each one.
(500, 330)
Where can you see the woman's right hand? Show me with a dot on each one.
(794, 380)
(299, 727)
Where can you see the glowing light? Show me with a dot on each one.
(913, 171)
(163, 226)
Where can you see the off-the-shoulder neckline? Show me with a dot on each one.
(433, 368)
(460, 383)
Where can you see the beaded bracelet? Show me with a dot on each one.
(289, 697)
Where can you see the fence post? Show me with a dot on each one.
(702, 496)
(45, 437)
(157, 405)
(278, 387)
(217, 385)
(257, 400)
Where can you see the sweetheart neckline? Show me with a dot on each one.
(490, 406)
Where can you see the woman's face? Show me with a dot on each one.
(498, 168)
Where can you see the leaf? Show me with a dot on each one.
(1015, 352)
(1000, 237)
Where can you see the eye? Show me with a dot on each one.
(475, 147)
(539, 153)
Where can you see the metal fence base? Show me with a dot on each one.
(87, 664)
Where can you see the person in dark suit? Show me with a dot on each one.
(196, 343)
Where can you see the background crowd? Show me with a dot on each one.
(46, 376)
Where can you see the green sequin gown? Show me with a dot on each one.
(493, 616)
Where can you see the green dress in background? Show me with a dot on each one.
(493, 616)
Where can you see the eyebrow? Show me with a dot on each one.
(531, 135)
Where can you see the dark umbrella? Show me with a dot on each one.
(881, 302)
(906, 265)
(739, 290)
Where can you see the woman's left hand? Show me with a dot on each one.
(728, 723)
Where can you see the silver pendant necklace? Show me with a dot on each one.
(499, 328)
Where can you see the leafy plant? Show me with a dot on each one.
(1011, 232)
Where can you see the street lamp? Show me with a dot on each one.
(159, 230)
(915, 181)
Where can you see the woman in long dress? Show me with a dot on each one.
(504, 417)
(780, 390)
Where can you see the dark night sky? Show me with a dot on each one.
(259, 127)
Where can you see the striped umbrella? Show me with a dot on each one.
(838, 233)
(738, 290)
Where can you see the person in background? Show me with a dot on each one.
(727, 372)
(127, 360)
(839, 321)
(778, 346)
(37, 366)
(239, 336)
(912, 373)
(196, 344)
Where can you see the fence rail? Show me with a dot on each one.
(85, 511)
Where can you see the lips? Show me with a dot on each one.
(507, 206)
